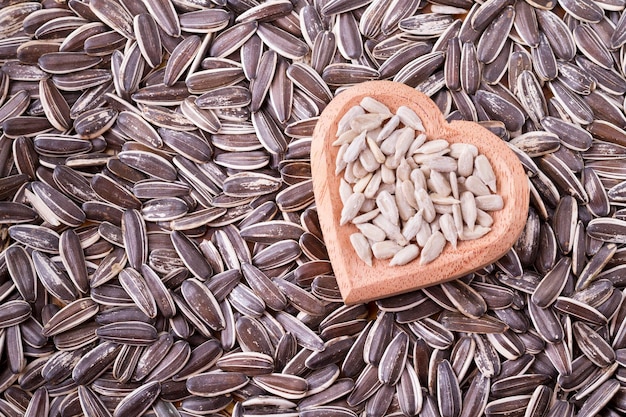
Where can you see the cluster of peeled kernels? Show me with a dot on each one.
(406, 193)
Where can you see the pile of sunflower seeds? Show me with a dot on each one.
(161, 249)
(398, 187)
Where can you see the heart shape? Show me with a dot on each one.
(359, 282)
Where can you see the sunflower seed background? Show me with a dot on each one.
(160, 250)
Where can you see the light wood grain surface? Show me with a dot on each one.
(357, 281)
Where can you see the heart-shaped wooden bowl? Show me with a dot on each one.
(359, 282)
